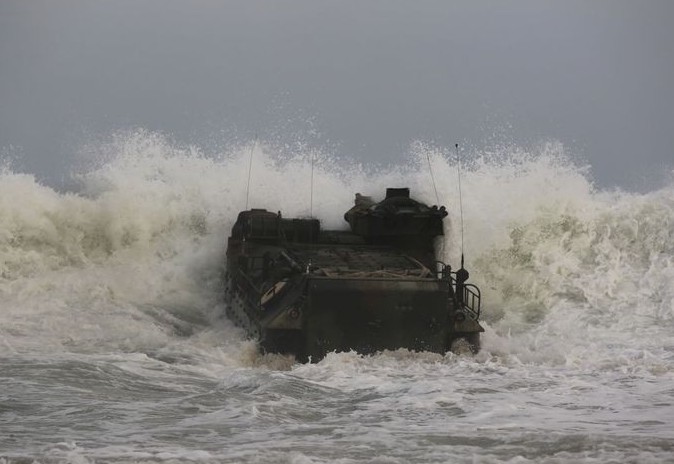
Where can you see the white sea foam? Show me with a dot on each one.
(111, 296)
(136, 254)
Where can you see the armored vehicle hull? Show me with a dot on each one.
(305, 291)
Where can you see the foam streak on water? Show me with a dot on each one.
(113, 347)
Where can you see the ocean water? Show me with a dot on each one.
(114, 349)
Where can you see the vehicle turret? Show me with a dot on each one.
(396, 216)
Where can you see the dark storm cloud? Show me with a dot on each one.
(371, 76)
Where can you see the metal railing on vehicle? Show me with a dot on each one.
(470, 297)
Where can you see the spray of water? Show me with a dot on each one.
(132, 261)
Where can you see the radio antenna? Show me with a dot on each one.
(311, 213)
(250, 169)
(458, 170)
(430, 168)
(311, 196)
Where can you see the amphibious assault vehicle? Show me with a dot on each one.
(302, 290)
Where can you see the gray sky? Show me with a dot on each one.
(368, 76)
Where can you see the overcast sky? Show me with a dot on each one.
(364, 77)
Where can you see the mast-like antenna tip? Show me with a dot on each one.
(250, 169)
(458, 171)
(430, 169)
